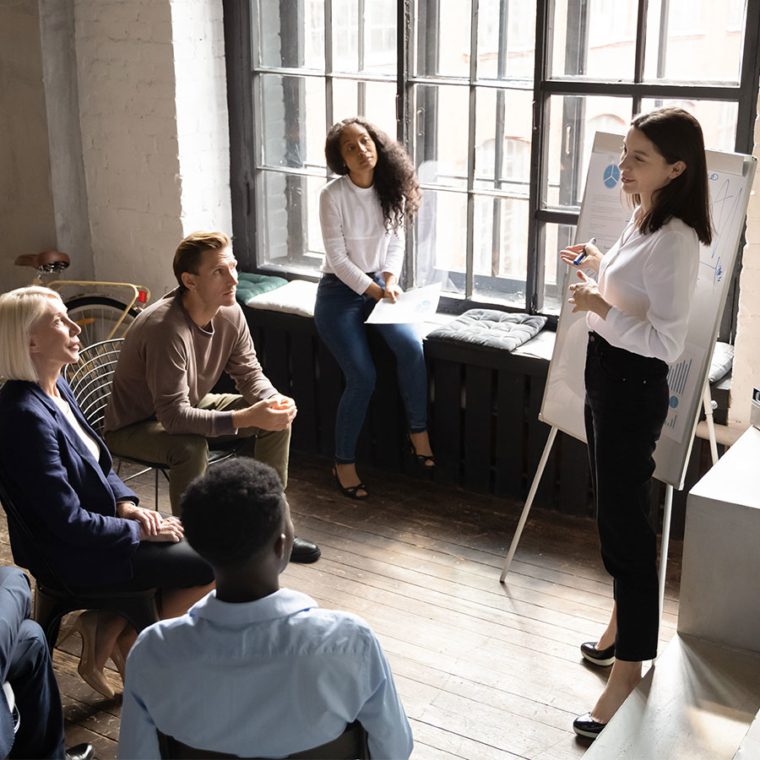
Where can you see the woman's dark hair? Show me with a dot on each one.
(678, 137)
(395, 180)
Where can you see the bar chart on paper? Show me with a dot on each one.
(678, 381)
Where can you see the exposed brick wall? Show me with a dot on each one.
(26, 202)
(747, 359)
(154, 130)
(202, 122)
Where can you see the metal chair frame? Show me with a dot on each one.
(91, 380)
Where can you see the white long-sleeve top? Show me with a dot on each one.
(354, 234)
(649, 281)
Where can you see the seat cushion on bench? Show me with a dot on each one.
(296, 297)
(721, 362)
(489, 329)
(250, 285)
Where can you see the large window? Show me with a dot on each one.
(497, 101)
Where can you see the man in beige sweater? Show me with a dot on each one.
(161, 408)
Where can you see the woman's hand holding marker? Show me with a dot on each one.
(587, 254)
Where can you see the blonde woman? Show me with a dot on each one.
(87, 526)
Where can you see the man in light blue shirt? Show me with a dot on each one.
(252, 669)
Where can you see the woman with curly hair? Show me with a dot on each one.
(363, 214)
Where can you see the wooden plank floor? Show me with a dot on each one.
(485, 671)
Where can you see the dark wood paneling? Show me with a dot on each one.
(447, 419)
(511, 399)
(478, 446)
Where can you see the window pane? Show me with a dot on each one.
(718, 119)
(573, 122)
(500, 249)
(502, 141)
(441, 133)
(380, 36)
(293, 121)
(518, 18)
(441, 239)
(595, 39)
(288, 216)
(443, 38)
(364, 44)
(557, 236)
(695, 40)
(373, 100)
(290, 39)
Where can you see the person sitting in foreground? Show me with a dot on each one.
(86, 527)
(25, 664)
(253, 669)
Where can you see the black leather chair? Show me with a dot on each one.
(53, 598)
(350, 745)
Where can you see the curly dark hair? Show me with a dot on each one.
(232, 511)
(395, 180)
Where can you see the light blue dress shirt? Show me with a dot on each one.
(260, 679)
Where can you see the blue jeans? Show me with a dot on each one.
(339, 316)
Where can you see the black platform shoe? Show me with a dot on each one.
(602, 657)
(587, 727)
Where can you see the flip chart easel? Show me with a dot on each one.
(603, 216)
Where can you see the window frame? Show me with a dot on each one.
(245, 125)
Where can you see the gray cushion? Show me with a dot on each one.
(722, 360)
(490, 329)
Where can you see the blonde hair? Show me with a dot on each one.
(19, 310)
(189, 253)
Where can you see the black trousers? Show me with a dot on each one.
(626, 406)
(25, 664)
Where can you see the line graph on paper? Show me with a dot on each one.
(725, 202)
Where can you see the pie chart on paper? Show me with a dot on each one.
(611, 176)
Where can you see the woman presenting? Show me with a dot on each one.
(637, 315)
(87, 528)
(362, 214)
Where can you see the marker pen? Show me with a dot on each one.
(582, 255)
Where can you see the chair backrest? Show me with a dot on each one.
(91, 379)
(16, 521)
(350, 745)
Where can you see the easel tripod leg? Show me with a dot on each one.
(528, 503)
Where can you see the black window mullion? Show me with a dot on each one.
(361, 89)
(748, 89)
(329, 69)
(538, 154)
(404, 121)
(498, 159)
(639, 60)
(471, 132)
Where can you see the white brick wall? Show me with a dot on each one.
(202, 124)
(747, 358)
(26, 202)
(154, 130)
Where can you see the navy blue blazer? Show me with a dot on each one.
(67, 499)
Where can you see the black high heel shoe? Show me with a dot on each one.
(601, 657)
(352, 492)
(425, 461)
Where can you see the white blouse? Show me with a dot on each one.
(87, 439)
(353, 231)
(649, 281)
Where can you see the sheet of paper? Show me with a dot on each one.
(412, 306)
